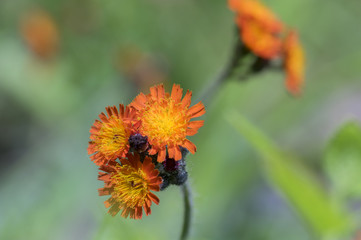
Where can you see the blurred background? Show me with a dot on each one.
(63, 62)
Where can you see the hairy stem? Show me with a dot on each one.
(186, 189)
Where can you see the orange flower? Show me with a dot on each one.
(259, 27)
(40, 34)
(109, 137)
(294, 63)
(129, 185)
(165, 120)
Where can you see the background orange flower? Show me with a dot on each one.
(259, 27)
(294, 63)
(40, 33)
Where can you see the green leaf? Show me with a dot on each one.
(343, 161)
(326, 218)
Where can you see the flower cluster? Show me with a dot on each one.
(142, 147)
(263, 34)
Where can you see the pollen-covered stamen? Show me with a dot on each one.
(111, 137)
(131, 187)
(165, 121)
(130, 184)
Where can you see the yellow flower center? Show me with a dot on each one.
(164, 121)
(131, 186)
(112, 137)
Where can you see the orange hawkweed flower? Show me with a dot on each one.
(165, 120)
(294, 63)
(40, 34)
(129, 185)
(259, 27)
(110, 136)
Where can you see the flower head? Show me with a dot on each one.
(110, 136)
(130, 184)
(294, 63)
(166, 120)
(40, 34)
(259, 27)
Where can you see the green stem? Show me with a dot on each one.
(236, 53)
(186, 189)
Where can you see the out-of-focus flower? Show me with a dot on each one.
(130, 184)
(165, 120)
(40, 33)
(142, 69)
(110, 136)
(261, 32)
(294, 63)
(259, 27)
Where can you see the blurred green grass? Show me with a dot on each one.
(50, 190)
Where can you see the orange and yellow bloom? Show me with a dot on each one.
(110, 136)
(166, 120)
(130, 184)
(259, 27)
(124, 138)
(294, 63)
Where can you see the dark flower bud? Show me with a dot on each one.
(181, 177)
(184, 152)
(170, 165)
(138, 143)
(259, 65)
(165, 183)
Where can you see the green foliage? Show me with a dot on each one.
(343, 161)
(302, 191)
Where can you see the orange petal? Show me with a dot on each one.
(161, 91)
(138, 213)
(152, 151)
(177, 93)
(154, 198)
(294, 63)
(139, 101)
(154, 92)
(197, 110)
(161, 155)
(178, 154)
(233, 4)
(171, 152)
(190, 146)
(191, 131)
(186, 102)
(196, 124)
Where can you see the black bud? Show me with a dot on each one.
(138, 143)
(170, 165)
(181, 177)
(184, 152)
(259, 65)
(164, 184)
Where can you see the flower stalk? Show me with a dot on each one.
(188, 210)
(236, 53)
